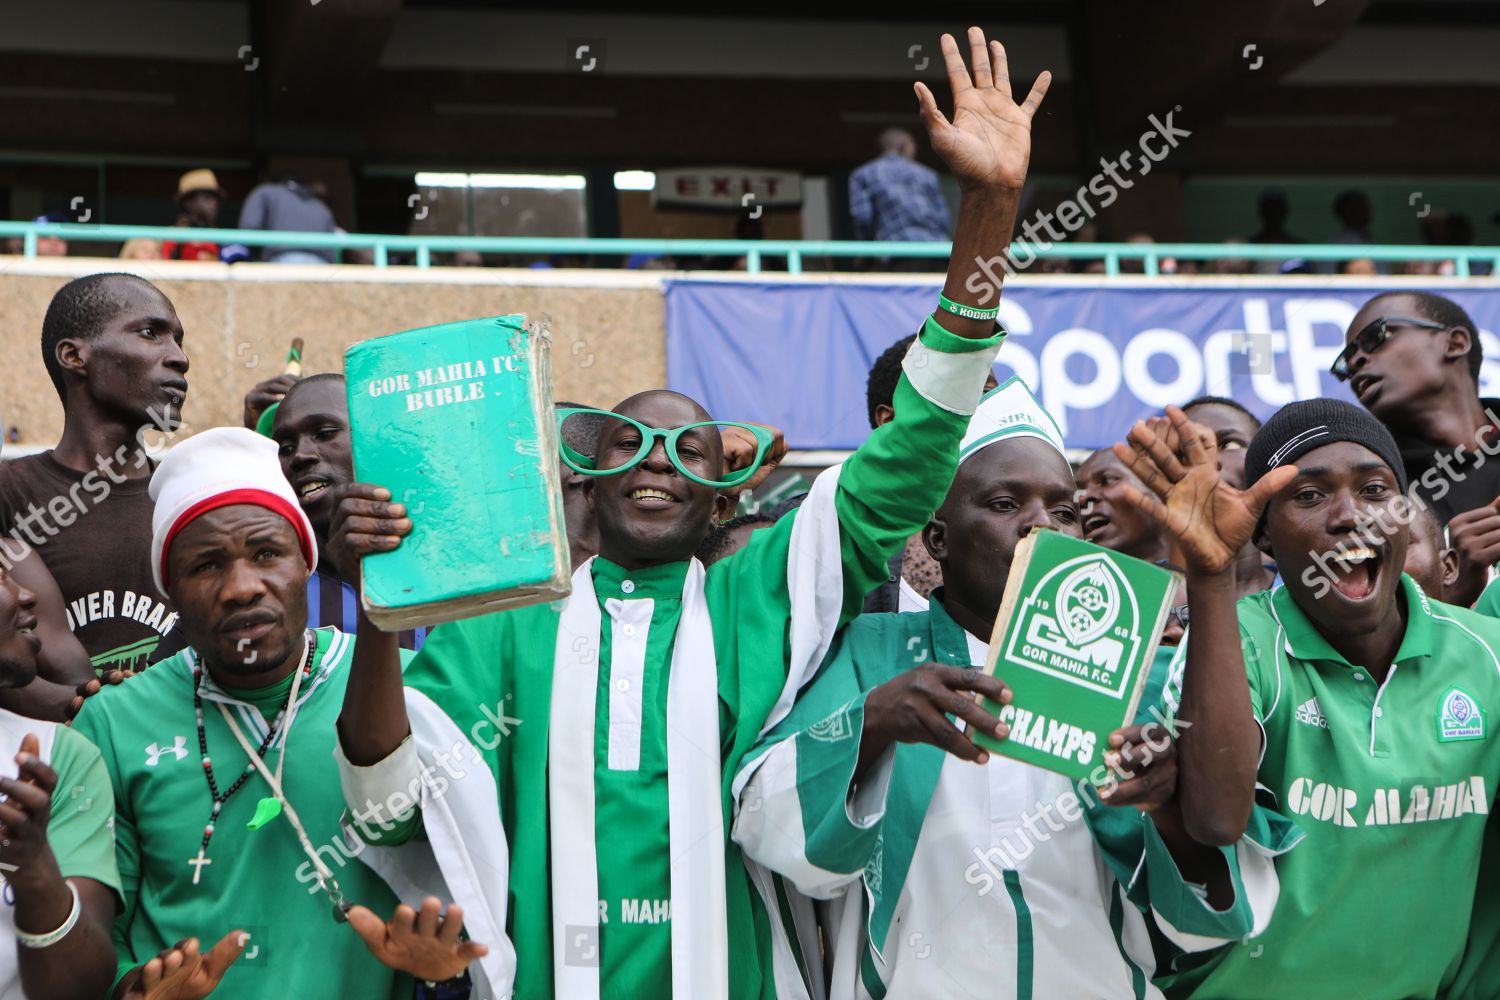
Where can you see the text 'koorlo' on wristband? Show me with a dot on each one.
(52, 937)
(967, 312)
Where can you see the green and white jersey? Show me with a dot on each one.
(1393, 784)
(81, 830)
(573, 709)
(951, 879)
(258, 881)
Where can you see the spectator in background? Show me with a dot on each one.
(141, 248)
(893, 198)
(1111, 520)
(1352, 209)
(285, 204)
(1429, 560)
(112, 345)
(198, 198)
(1273, 209)
(1413, 360)
(466, 258)
(46, 246)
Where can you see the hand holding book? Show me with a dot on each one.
(914, 708)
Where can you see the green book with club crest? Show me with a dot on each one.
(457, 422)
(1074, 639)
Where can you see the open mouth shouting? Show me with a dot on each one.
(1354, 570)
(1093, 523)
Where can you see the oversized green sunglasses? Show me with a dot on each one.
(672, 443)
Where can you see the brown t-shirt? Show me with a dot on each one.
(93, 532)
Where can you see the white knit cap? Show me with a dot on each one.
(220, 467)
(1006, 411)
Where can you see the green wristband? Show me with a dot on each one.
(967, 312)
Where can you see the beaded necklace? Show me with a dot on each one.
(309, 648)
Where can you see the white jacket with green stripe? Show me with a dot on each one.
(950, 879)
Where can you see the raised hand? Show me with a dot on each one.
(1178, 461)
(181, 973)
(263, 394)
(425, 943)
(988, 142)
(739, 451)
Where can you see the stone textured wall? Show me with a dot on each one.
(607, 327)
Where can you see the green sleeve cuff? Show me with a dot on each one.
(827, 754)
(934, 336)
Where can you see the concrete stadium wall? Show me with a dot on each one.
(607, 326)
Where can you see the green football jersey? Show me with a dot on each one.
(1392, 783)
(258, 881)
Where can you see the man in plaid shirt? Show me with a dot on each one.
(895, 198)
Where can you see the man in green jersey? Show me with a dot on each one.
(228, 811)
(1367, 717)
(595, 842)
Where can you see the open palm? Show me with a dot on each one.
(988, 141)
(1178, 461)
(181, 973)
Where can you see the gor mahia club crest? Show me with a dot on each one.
(1081, 624)
(1459, 716)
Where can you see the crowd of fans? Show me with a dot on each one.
(740, 760)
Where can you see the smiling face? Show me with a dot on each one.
(134, 368)
(1108, 518)
(312, 438)
(1412, 368)
(239, 581)
(998, 497)
(18, 641)
(652, 514)
(1338, 537)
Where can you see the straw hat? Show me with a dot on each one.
(198, 180)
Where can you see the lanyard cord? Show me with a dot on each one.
(330, 885)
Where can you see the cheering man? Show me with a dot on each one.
(635, 700)
(868, 791)
(1347, 698)
(227, 809)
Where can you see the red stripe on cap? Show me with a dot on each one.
(256, 498)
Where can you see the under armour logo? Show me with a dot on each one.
(155, 751)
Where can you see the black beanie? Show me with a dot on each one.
(1298, 428)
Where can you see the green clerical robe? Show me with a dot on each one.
(623, 883)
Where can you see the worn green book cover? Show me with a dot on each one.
(456, 421)
(1077, 629)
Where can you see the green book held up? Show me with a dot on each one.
(1078, 627)
(456, 421)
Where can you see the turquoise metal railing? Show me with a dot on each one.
(754, 251)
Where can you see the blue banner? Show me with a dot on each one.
(797, 354)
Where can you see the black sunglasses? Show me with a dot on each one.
(1180, 612)
(1370, 339)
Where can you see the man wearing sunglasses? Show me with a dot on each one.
(585, 829)
(1412, 359)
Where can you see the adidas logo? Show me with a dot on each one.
(1311, 713)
